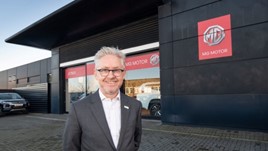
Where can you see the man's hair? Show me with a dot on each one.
(109, 51)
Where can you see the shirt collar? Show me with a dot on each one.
(103, 97)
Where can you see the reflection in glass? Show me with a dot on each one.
(145, 87)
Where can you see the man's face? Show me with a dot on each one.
(110, 84)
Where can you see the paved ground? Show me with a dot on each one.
(43, 132)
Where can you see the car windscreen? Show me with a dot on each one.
(6, 96)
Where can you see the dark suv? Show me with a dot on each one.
(12, 102)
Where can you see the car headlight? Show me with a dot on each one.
(9, 103)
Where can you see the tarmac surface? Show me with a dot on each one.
(43, 132)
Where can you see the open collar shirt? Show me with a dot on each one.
(112, 109)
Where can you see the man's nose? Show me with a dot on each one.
(111, 74)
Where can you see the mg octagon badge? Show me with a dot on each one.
(214, 38)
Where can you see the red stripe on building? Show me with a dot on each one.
(75, 72)
(143, 61)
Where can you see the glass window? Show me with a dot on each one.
(142, 81)
(75, 84)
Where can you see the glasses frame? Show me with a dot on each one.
(106, 72)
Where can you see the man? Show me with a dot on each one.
(107, 120)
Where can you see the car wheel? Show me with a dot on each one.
(26, 111)
(155, 109)
(1, 111)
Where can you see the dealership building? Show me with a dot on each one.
(201, 62)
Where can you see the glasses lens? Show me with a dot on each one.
(105, 72)
(117, 72)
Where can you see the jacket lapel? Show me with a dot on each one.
(125, 109)
(98, 112)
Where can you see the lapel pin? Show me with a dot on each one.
(126, 107)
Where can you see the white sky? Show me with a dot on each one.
(16, 15)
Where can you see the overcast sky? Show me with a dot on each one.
(16, 15)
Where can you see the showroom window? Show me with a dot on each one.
(142, 81)
(75, 84)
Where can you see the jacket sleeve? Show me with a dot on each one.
(72, 132)
(138, 129)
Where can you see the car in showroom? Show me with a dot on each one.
(12, 102)
(149, 97)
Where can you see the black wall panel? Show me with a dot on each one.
(134, 34)
(165, 33)
(229, 91)
(248, 42)
(249, 76)
(228, 110)
(246, 13)
(167, 56)
(179, 6)
(164, 10)
(56, 106)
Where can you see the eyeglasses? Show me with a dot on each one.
(105, 72)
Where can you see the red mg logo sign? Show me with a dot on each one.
(215, 38)
(154, 59)
(214, 35)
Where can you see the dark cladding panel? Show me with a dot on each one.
(37, 95)
(242, 14)
(164, 10)
(167, 82)
(248, 76)
(131, 35)
(179, 6)
(229, 110)
(247, 43)
(250, 41)
(165, 30)
(228, 91)
(167, 105)
(55, 98)
(166, 55)
(185, 53)
(34, 69)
